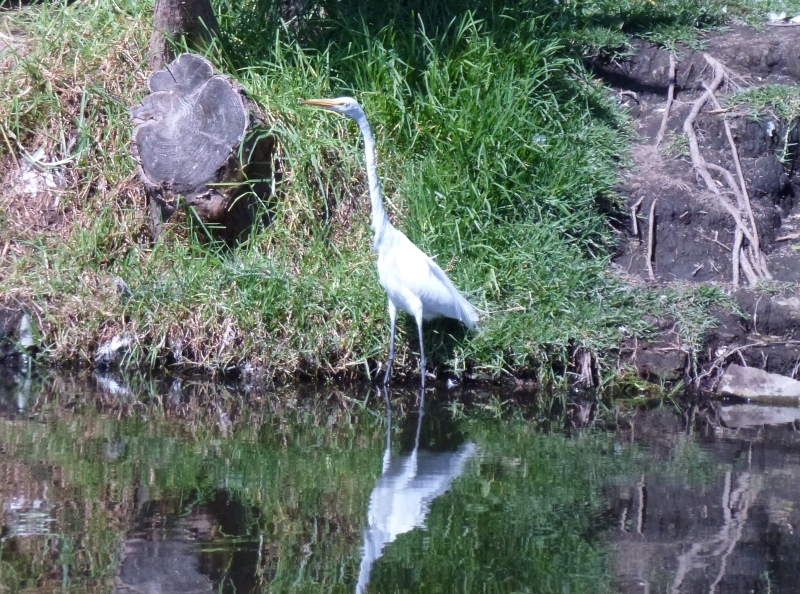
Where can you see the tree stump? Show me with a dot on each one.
(197, 136)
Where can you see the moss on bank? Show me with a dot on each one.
(497, 150)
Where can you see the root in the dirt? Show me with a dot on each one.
(740, 258)
(718, 363)
(634, 219)
(650, 238)
(670, 95)
(737, 249)
(744, 199)
(788, 237)
(747, 268)
(716, 240)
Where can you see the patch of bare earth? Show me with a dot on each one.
(711, 212)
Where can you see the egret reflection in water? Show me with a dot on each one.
(405, 490)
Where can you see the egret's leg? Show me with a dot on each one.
(392, 320)
(421, 351)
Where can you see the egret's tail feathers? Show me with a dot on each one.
(468, 313)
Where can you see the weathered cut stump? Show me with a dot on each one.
(196, 137)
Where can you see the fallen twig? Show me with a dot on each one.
(670, 93)
(651, 225)
(717, 241)
(11, 150)
(788, 237)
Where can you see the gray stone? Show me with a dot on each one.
(758, 385)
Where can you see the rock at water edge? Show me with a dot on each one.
(756, 384)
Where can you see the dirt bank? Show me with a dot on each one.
(693, 233)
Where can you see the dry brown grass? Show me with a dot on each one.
(58, 103)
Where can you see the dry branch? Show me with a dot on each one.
(788, 237)
(670, 93)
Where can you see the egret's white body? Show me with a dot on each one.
(413, 282)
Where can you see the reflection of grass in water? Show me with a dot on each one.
(309, 471)
(692, 463)
(294, 467)
(528, 511)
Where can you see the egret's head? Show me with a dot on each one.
(344, 105)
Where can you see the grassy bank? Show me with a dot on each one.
(497, 150)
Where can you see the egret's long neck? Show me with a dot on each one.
(379, 219)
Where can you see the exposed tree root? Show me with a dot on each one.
(650, 238)
(670, 95)
(634, 219)
(744, 199)
(751, 261)
(717, 364)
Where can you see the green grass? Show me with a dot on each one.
(496, 149)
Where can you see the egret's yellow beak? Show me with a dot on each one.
(320, 102)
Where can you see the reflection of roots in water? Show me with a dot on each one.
(735, 507)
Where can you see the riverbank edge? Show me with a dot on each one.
(755, 333)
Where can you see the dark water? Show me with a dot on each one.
(180, 486)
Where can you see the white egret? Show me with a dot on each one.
(413, 282)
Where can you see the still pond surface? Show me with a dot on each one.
(188, 487)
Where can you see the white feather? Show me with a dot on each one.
(416, 284)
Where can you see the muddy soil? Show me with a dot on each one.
(690, 225)
(693, 234)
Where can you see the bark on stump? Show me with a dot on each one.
(197, 137)
(193, 19)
